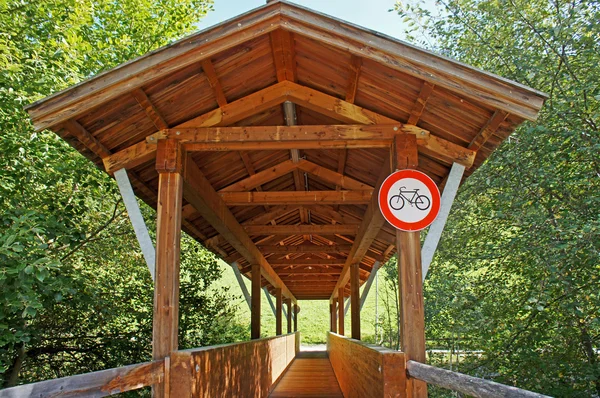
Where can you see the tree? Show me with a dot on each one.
(526, 278)
(76, 294)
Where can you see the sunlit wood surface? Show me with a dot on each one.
(310, 375)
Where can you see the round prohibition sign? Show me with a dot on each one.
(409, 200)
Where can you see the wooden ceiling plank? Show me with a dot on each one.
(490, 128)
(199, 192)
(331, 176)
(285, 263)
(228, 114)
(369, 228)
(420, 103)
(213, 80)
(293, 197)
(300, 229)
(482, 87)
(149, 108)
(257, 179)
(282, 45)
(352, 86)
(122, 79)
(87, 139)
(305, 249)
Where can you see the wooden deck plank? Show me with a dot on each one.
(310, 375)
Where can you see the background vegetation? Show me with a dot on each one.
(518, 303)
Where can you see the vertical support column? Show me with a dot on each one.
(341, 311)
(278, 312)
(410, 282)
(355, 300)
(296, 317)
(288, 303)
(165, 324)
(255, 312)
(333, 316)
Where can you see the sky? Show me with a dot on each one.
(372, 14)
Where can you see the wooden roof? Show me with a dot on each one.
(312, 76)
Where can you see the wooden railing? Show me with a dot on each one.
(247, 369)
(472, 386)
(96, 384)
(366, 370)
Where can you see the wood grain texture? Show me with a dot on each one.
(412, 310)
(278, 312)
(355, 300)
(255, 312)
(310, 375)
(340, 308)
(96, 384)
(249, 369)
(365, 370)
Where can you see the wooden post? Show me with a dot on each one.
(296, 317)
(288, 303)
(165, 325)
(255, 313)
(355, 300)
(333, 316)
(278, 312)
(410, 282)
(341, 311)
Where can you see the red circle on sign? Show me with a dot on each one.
(384, 204)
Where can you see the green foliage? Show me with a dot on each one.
(76, 294)
(524, 285)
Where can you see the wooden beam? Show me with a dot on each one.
(121, 80)
(488, 130)
(353, 76)
(148, 107)
(165, 327)
(296, 311)
(333, 315)
(257, 179)
(255, 312)
(294, 197)
(94, 384)
(419, 106)
(305, 248)
(308, 270)
(331, 176)
(90, 142)
(232, 112)
(282, 45)
(300, 229)
(340, 306)
(482, 87)
(272, 214)
(367, 288)
(199, 192)
(277, 264)
(288, 304)
(213, 80)
(355, 300)
(278, 312)
(367, 232)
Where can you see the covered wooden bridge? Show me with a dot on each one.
(266, 138)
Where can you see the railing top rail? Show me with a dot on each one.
(212, 347)
(465, 384)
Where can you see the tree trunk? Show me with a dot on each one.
(12, 378)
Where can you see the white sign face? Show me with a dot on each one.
(409, 200)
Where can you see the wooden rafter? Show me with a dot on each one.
(367, 232)
(352, 86)
(300, 229)
(282, 45)
(148, 107)
(257, 179)
(419, 106)
(490, 128)
(285, 263)
(293, 197)
(305, 249)
(199, 192)
(213, 80)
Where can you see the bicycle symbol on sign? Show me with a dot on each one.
(421, 202)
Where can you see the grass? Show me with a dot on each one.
(313, 320)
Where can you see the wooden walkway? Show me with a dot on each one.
(310, 375)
